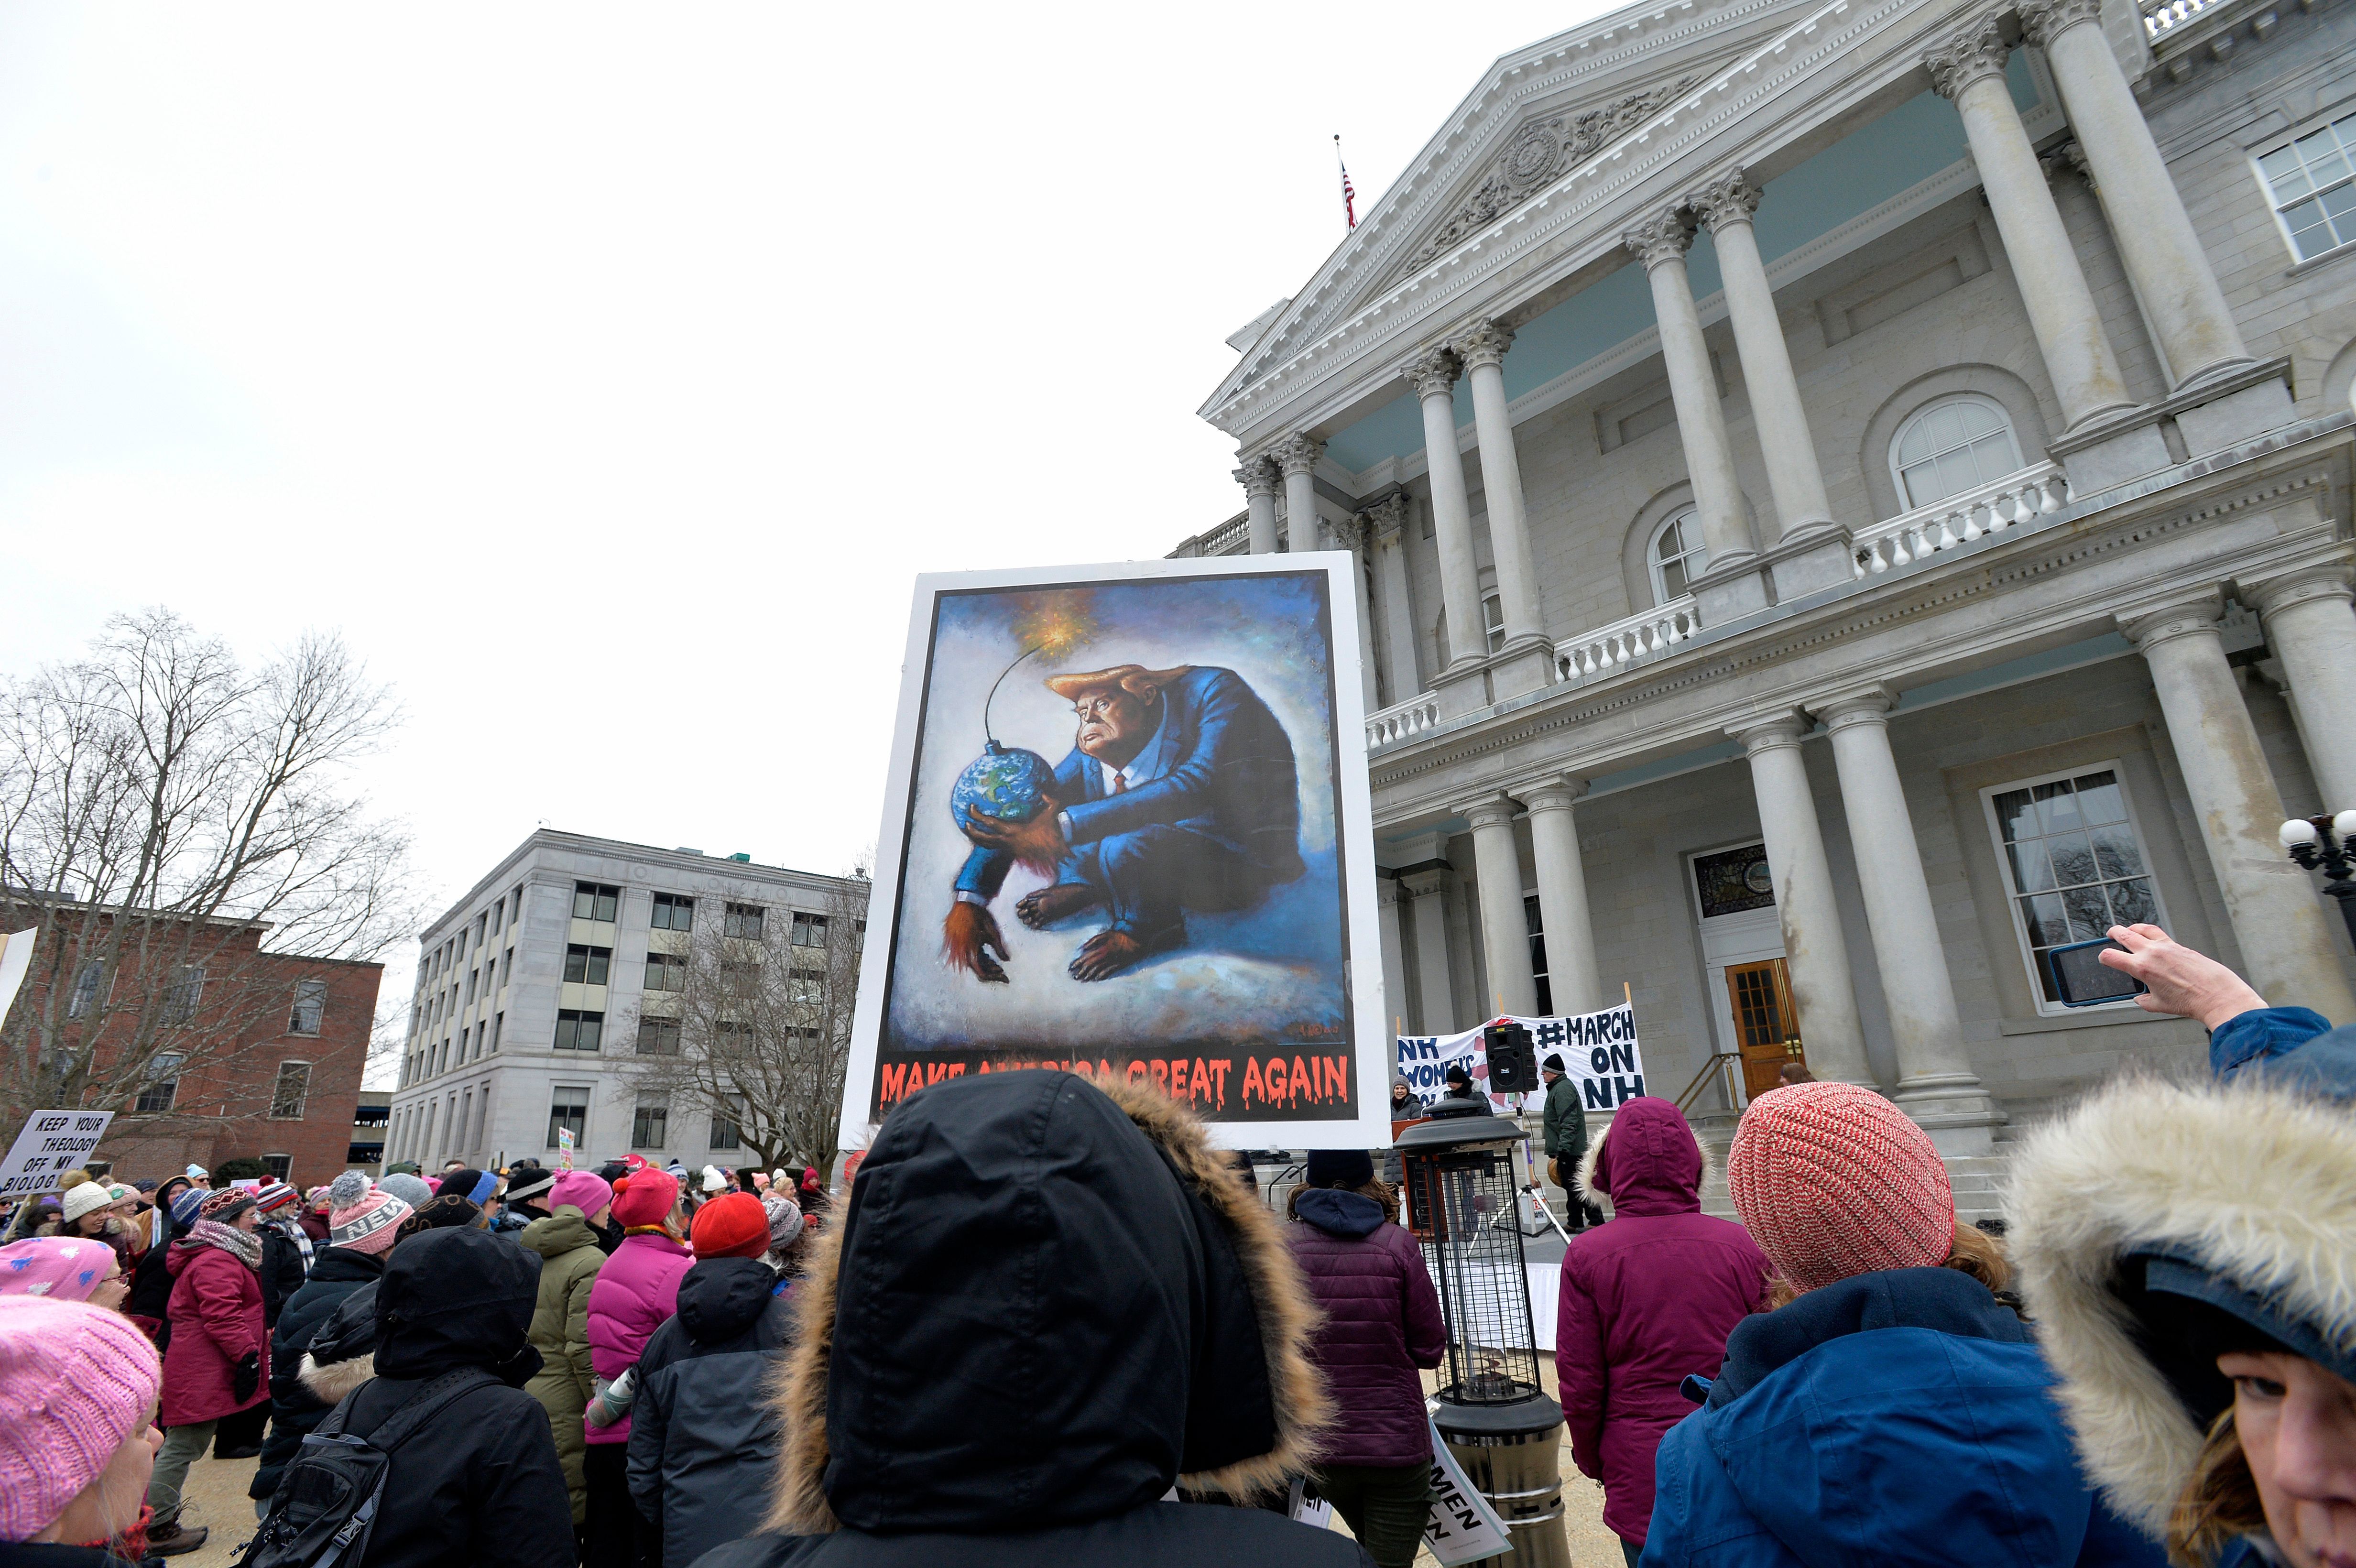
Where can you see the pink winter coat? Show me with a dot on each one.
(637, 1291)
(216, 1318)
(1645, 1300)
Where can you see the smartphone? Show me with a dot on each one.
(2081, 979)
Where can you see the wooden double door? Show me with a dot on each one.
(1766, 1025)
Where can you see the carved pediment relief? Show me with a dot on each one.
(1540, 153)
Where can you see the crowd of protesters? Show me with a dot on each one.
(1051, 1324)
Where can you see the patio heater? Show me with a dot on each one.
(1493, 1414)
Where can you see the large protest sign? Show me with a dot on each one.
(15, 958)
(1598, 1050)
(1127, 833)
(52, 1143)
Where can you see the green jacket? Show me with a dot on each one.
(559, 1332)
(1566, 1123)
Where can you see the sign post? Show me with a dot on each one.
(52, 1143)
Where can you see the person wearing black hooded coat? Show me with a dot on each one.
(1047, 1301)
(478, 1482)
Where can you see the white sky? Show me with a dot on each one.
(604, 374)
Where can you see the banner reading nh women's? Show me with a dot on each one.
(1598, 1050)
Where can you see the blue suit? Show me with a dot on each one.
(1213, 824)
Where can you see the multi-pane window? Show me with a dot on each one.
(658, 1037)
(1493, 620)
(2073, 863)
(310, 1007)
(185, 994)
(1953, 445)
(287, 1094)
(1537, 955)
(2313, 184)
(162, 1086)
(666, 972)
(278, 1165)
(809, 930)
(674, 912)
(579, 1030)
(568, 1110)
(1676, 557)
(85, 988)
(807, 990)
(726, 1133)
(586, 965)
(647, 1128)
(594, 901)
(743, 920)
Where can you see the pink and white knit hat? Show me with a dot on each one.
(362, 1218)
(1832, 1180)
(76, 1383)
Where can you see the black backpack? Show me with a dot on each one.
(326, 1503)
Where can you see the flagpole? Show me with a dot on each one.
(1349, 197)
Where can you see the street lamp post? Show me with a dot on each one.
(2328, 844)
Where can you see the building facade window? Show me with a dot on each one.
(498, 1021)
(579, 1030)
(586, 965)
(809, 930)
(185, 995)
(648, 1127)
(1951, 446)
(725, 1133)
(162, 1086)
(278, 1165)
(568, 1109)
(1493, 620)
(84, 998)
(674, 912)
(596, 900)
(1676, 556)
(310, 1007)
(805, 990)
(666, 972)
(2073, 864)
(658, 1036)
(1537, 955)
(743, 920)
(2312, 183)
(292, 1089)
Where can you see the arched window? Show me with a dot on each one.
(1676, 556)
(1950, 446)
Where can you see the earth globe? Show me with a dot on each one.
(1006, 783)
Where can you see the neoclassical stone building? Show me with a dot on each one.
(1850, 496)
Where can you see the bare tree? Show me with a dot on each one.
(177, 828)
(751, 1033)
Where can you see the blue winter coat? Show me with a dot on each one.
(1894, 1418)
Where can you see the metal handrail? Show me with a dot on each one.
(1720, 1062)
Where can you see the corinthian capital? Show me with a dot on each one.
(1977, 51)
(1483, 344)
(1297, 453)
(1660, 237)
(2043, 20)
(1433, 372)
(1386, 517)
(1257, 476)
(1729, 198)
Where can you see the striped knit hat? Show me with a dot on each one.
(275, 1195)
(1832, 1180)
(361, 1217)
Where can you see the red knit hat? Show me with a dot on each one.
(1832, 1180)
(732, 1225)
(644, 1197)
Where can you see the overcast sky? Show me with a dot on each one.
(604, 374)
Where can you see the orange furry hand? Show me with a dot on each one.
(969, 935)
(1037, 841)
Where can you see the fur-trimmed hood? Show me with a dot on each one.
(2250, 1182)
(1046, 1298)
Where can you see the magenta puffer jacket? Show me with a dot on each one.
(1382, 1322)
(636, 1293)
(1645, 1300)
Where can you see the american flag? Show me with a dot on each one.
(1349, 195)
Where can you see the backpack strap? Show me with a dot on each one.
(421, 1407)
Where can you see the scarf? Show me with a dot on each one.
(241, 1245)
(299, 1236)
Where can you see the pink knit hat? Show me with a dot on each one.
(1832, 1180)
(585, 1189)
(360, 1218)
(76, 1383)
(55, 1266)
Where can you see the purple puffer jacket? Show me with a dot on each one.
(636, 1293)
(1382, 1322)
(1645, 1300)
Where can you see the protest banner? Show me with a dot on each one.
(1463, 1528)
(51, 1143)
(1599, 1054)
(15, 959)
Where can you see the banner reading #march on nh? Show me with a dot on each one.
(1598, 1050)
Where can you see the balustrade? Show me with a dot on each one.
(1642, 636)
(1958, 520)
(1402, 720)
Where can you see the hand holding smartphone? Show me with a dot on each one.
(2081, 978)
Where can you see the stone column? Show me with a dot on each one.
(1505, 928)
(2156, 239)
(1660, 242)
(2310, 628)
(1387, 522)
(1257, 476)
(1571, 973)
(1296, 456)
(1936, 1084)
(1481, 351)
(1814, 948)
(1428, 887)
(1969, 68)
(2286, 952)
(1434, 378)
(1386, 918)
